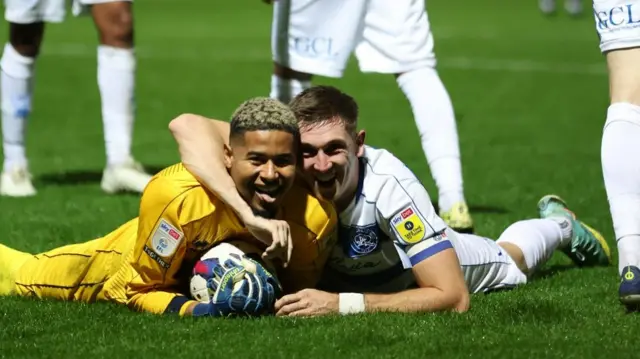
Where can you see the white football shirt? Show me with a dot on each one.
(392, 225)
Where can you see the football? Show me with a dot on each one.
(202, 271)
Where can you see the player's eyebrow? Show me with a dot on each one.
(266, 155)
(331, 144)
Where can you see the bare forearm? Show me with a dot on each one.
(201, 147)
(416, 300)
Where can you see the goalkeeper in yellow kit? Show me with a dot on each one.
(146, 263)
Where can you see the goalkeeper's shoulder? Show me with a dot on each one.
(302, 209)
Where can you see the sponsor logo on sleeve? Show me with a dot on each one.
(165, 239)
(409, 225)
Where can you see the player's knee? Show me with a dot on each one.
(26, 38)
(287, 73)
(27, 50)
(119, 32)
(115, 23)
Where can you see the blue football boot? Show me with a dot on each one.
(629, 291)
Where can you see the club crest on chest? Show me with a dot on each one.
(359, 240)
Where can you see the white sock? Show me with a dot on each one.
(116, 80)
(620, 155)
(628, 252)
(538, 239)
(436, 123)
(16, 84)
(284, 90)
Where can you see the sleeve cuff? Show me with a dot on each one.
(430, 251)
(176, 305)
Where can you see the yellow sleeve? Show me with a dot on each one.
(170, 221)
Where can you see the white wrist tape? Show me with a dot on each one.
(351, 303)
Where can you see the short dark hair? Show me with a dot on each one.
(263, 113)
(322, 103)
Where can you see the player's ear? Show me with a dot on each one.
(360, 143)
(228, 156)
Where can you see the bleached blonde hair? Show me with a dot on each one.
(263, 113)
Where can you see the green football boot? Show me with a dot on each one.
(588, 247)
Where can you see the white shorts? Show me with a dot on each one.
(485, 265)
(388, 36)
(617, 23)
(32, 11)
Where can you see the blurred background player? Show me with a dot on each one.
(573, 7)
(617, 25)
(391, 37)
(116, 67)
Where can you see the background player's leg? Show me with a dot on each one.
(397, 40)
(287, 84)
(621, 138)
(435, 119)
(17, 77)
(116, 80)
(547, 7)
(620, 146)
(573, 7)
(304, 42)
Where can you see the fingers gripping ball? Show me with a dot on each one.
(230, 282)
(207, 275)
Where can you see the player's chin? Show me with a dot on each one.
(326, 190)
(264, 209)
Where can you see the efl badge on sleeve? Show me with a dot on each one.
(408, 225)
(166, 239)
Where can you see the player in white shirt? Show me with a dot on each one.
(392, 245)
(317, 37)
(618, 26)
(116, 80)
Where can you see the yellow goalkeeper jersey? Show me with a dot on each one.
(146, 262)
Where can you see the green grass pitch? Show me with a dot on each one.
(530, 93)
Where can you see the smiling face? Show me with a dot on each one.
(264, 140)
(328, 118)
(330, 156)
(262, 164)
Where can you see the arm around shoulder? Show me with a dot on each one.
(201, 144)
(188, 124)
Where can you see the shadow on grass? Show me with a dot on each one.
(72, 178)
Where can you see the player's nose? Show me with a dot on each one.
(268, 172)
(323, 163)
